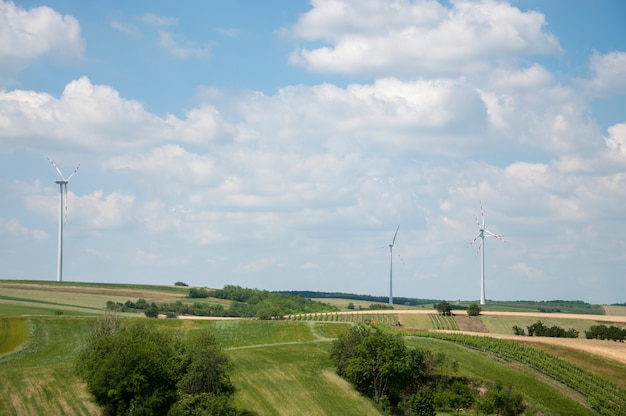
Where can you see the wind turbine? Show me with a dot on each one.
(482, 233)
(391, 266)
(63, 207)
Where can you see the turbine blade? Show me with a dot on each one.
(478, 251)
(475, 238)
(394, 236)
(490, 234)
(477, 222)
(54, 165)
(73, 173)
(482, 213)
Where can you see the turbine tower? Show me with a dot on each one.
(391, 266)
(482, 233)
(63, 207)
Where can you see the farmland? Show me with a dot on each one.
(282, 367)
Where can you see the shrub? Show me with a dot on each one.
(473, 309)
(195, 293)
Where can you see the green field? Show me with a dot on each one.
(280, 367)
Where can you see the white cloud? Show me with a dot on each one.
(528, 271)
(408, 39)
(616, 142)
(609, 74)
(257, 265)
(182, 48)
(153, 19)
(26, 35)
(95, 117)
(124, 28)
(14, 228)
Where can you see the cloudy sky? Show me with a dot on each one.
(278, 144)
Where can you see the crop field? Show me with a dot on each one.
(504, 324)
(280, 367)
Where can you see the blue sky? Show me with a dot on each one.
(279, 144)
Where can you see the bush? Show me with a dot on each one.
(152, 311)
(195, 292)
(180, 284)
(473, 309)
(138, 370)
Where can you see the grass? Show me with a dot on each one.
(504, 324)
(541, 394)
(287, 379)
(13, 333)
(281, 367)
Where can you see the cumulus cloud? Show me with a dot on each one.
(14, 228)
(609, 74)
(616, 142)
(26, 35)
(409, 39)
(95, 117)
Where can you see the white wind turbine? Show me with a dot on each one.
(391, 266)
(63, 207)
(482, 233)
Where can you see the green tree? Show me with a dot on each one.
(444, 308)
(203, 367)
(127, 370)
(135, 369)
(473, 309)
(420, 404)
(501, 401)
(378, 364)
(152, 311)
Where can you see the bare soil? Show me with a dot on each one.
(471, 324)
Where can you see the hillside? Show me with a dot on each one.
(42, 325)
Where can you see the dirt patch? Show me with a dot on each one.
(471, 324)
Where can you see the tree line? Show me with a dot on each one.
(245, 303)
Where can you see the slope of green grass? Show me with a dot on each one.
(543, 395)
(281, 367)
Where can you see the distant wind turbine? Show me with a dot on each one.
(391, 266)
(62, 208)
(482, 233)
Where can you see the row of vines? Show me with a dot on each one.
(444, 322)
(602, 396)
(382, 318)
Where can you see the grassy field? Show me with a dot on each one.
(281, 367)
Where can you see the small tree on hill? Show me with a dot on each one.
(444, 308)
(473, 309)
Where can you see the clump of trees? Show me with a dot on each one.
(612, 333)
(539, 329)
(412, 381)
(246, 303)
(135, 369)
